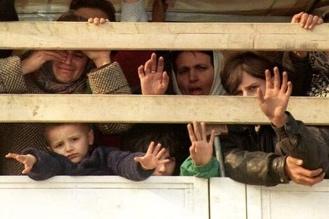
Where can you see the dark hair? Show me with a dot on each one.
(174, 55)
(248, 62)
(173, 137)
(70, 16)
(7, 13)
(103, 5)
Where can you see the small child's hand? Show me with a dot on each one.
(97, 21)
(306, 21)
(152, 157)
(201, 150)
(28, 160)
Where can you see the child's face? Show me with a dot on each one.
(166, 169)
(71, 140)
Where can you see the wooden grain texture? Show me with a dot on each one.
(175, 36)
(151, 109)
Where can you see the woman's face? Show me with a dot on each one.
(249, 85)
(72, 68)
(195, 73)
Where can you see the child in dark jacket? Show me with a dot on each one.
(71, 154)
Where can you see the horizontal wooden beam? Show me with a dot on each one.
(151, 109)
(175, 36)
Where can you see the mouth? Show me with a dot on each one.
(195, 91)
(72, 156)
(65, 69)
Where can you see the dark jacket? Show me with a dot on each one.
(258, 157)
(99, 161)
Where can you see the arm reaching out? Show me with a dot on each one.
(27, 160)
(153, 157)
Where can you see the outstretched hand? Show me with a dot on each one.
(153, 157)
(201, 150)
(27, 160)
(300, 175)
(154, 80)
(275, 100)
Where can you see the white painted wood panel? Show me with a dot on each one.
(103, 197)
(227, 199)
(288, 201)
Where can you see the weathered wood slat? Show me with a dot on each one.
(150, 109)
(192, 36)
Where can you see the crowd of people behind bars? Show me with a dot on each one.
(286, 150)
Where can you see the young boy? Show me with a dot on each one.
(72, 153)
(201, 162)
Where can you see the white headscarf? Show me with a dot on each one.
(216, 87)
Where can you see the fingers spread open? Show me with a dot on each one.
(150, 148)
(191, 132)
(147, 67)
(156, 149)
(197, 131)
(141, 73)
(153, 62)
(277, 81)
(284, 83)
(160, 66)
(203, 131)
(161, 153)
(212, 137)
(268, 80)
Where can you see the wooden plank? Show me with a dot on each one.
(192, 36)
(289, 201)
(148, 109)
(227, 199)
(104, 197)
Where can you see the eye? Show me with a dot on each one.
(182, 71)
(253, 88)
(79, 55)
(59, 145)
(75, 138)
(202, 67)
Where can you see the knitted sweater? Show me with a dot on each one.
(15, 137)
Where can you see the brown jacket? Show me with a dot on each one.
(258, 157)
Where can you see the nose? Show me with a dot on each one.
(193, 76)
(68, 58)
(68, 147)
(161, 169)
